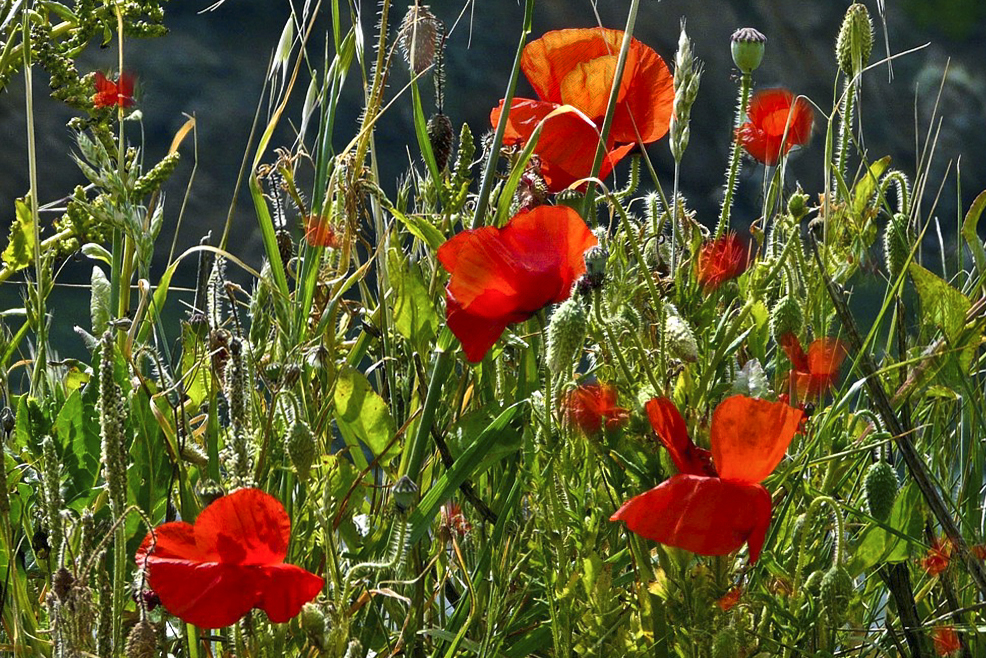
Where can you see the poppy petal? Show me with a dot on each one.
(248, 526)
(174, 540)
(287, 588)
(206, 594)
(548, 61)
(795, 353)
(704, 515)
(825, 357)
(476, 333)
(749, 437)
(649, 100)
(777, 121)
(670, 429)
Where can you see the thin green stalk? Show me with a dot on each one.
(614, 94)
(746, 82)
(489, 174)
(439, 373)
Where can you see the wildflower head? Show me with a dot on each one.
(727, 601)
(721, 260)
(939, 554)
(776, 123)
(111, 93)
(319, 232)
(592, 406)
(947, 642)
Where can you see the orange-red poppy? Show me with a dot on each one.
(713, 508)
(946, 641)
(773, 112)
(500, 276)
(939, 554)
(319, 232)
(721, 260)
(814, 373)
(728, 601)
(591, 406)
(110, 93)
(230, 561)
(576, 67)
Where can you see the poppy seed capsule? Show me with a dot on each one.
(748, 45)
(786, 317)
(880, 487)
(405, 492)
(855, 42)
(595, 263)
(566, 334)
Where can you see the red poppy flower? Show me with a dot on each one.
(771, 112)
(576, 67)
(588, 407)
(110, 93)
(727, 601)
(453, 521)
(232, 560)
(721, 260)
(714, 509)
(937, 558)
(320, 233)
(979, 550)
(506, 275)
(815, 372)
(946, 641)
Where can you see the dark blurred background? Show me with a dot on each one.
(212, 65)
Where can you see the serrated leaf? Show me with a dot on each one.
(360, 411)
(99, 301)
(420, 228)
(20, 247)
(941, 304)
(863, 191)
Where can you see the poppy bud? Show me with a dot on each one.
(566, 334)
(142, 641)
(747, 47)
(880, 486)
(209, 491)
(797, 205)
(786, 317)
(7, 420)
(896, 245)
(726, 643)
(814, 583)
(680, 337)
(855, 42)
(301, 448)
(835, 590)
(441, 134)
(313, 621)
(405, 492)
(595, 263)
(285, 245)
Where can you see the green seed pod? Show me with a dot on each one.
(566, 334)
(680, 337)
(835, 590)
(880, 487)
(855, 42)
(301, 448)
(747, 45)
(405, 493)
(142, 641)
(896, 244)
(813, 584)
(441, 134)
(786, 317)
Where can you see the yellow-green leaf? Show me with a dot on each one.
(941, 304)
(863, 190)
(20, 249)
(361, 412)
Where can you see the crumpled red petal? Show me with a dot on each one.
(588, 407)
(704, 515)
(749, 437)
(771, 112)
(670, 429)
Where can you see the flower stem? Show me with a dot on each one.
(746, 83)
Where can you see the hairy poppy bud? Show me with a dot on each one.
(313, 621)
(680, 337)
(896, 245)
(835, 590)
(880, 486)
(747, 47)
(418, 37)
(301, 448)
(786, 317)
(726, 643)
(855, 42)
(405, 492)
(595, 263)
(142, 641)
(566, 334)
(441, 134)
(797, 205)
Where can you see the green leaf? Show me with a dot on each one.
(970, 234)
(196, 365)
(77, 430)
(360, 412)
(414, 313)
(99, 301)
(941, 304)
(890, 542)
(863, 190)
(419, 228)
(31, 425)
(20, 249)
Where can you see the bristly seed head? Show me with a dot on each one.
(855, 42)
(418, 37)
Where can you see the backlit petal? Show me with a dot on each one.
(825, 357)
(248, 526)
(286, 588)
(206, 594)
(704, 515)
(670, 429)
(476, 333)
(749, 437)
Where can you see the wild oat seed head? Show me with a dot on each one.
(747, 45)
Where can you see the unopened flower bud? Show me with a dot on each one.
(880, 486)
(680, 337)
(595, 264)
(747, 47)
(835, 591)
(786, 317)
(797, 205)
(855, 42)
(301, 448)
(418, 37)
(441, 134)
(896, 244)
(566, 335)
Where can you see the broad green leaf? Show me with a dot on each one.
(77, 432)
(31, 424)
(970, 234)
(20, 249)
(941, 304)
(890, 542)
(196, 366)
(863, 191)
(99, 301)
(363, 413)
(414, 312)
(419, 228)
